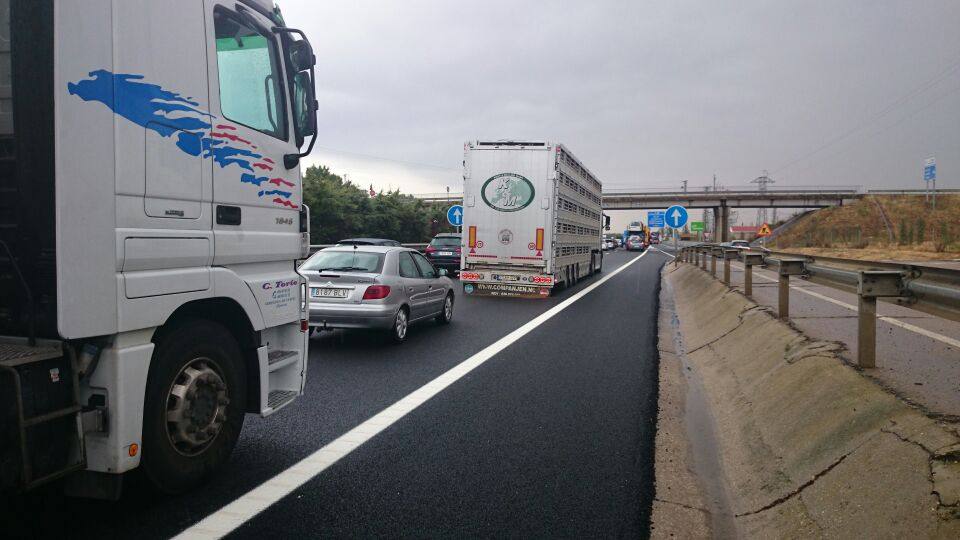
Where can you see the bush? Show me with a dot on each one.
(903, 233)
(921, 231)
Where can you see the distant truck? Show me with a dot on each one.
(637, 228)
(150, 225)
(532, 219)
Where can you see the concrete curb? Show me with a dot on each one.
(806, 446)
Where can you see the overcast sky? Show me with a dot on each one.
(646, 94)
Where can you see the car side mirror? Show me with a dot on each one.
(442, 272)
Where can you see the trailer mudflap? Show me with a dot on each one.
(506, 290)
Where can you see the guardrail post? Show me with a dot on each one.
(873, 284)
(703, 258)
(728, 255)
(750, 259)
(788, 267)
(713, 262)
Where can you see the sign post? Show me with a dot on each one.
(676, 218)
(930, 175)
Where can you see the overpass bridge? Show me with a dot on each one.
(718, 201)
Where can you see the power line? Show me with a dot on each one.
(923, 87)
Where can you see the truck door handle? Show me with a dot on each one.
(228, 215)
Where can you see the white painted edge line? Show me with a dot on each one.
(658, 250)
(896, 322)
(243, 509)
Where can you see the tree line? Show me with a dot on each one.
(341, 209)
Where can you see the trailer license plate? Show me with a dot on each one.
(504, 277)
(317, 292)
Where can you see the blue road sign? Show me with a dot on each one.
(676, 216)
(929, 170)
(455, 215)
(655, 218)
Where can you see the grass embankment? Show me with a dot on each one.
(911, 230)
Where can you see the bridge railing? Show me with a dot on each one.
(929, 289)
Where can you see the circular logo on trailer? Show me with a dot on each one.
(479, 243)
(531, 246)
(468, 288)
(507, 192)
(505, 236)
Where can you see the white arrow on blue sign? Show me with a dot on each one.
(455, 215)
(677, 216)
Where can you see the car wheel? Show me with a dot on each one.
(401, 325)
(446, 315)
(194, 406)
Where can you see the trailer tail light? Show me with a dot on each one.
(472, 236)
(304, 325)
(539, 240)
(376, 292)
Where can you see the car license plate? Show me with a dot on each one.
(445, 253)
(317, 292)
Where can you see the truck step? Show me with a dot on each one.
(279, 398)
(41, 436)
(15, 354)
(280, 359)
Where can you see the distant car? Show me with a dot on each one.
(635, 243)
(444, 251)
(376, 287)
(743, 244)
(609, 245)
(654, 237)
(368, 242)
(618, 242)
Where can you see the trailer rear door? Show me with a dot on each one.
(508, 194)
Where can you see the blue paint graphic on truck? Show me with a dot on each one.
(169, 114)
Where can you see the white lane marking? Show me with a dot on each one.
(238, 512)
(896, 322)
(658, 250)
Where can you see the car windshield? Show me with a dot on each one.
(345, 261)
(445, 241)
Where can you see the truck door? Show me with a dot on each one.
(256, 198)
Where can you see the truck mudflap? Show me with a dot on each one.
(495, 282)
(506, 289)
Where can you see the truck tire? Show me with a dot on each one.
(194, 407)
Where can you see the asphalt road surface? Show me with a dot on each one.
(552, 436)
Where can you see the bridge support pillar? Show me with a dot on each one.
(723, 224)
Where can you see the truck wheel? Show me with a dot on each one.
(194, 407)
(446, 315)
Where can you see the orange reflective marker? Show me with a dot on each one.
(133, 449)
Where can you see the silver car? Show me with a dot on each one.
(377, 287)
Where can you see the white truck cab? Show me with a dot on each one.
(150, 225)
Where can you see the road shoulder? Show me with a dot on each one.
(806, 445)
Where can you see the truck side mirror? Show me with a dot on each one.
(606, 222)
(304, 104)
(301, 55)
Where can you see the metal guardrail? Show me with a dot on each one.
(929, 289)
(317, 247)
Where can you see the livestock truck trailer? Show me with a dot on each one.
(532, 219)
(151, 220)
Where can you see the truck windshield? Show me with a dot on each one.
(345, 261)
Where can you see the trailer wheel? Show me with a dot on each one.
(194, 407)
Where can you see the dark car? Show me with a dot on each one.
(444, 251)
(368, 242)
